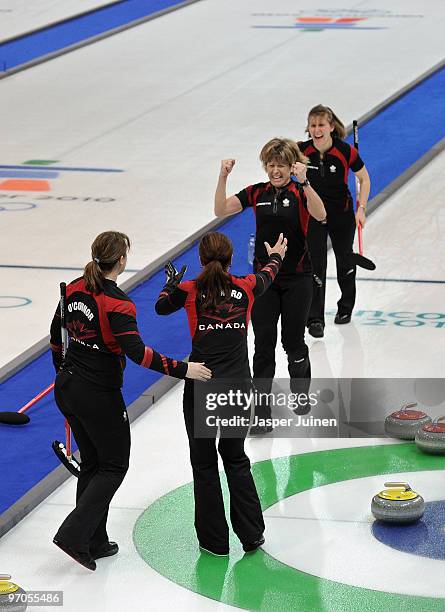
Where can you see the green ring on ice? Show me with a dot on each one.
(165, 538)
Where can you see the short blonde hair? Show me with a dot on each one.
(283, 149)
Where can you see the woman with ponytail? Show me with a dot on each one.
(330, 159)
(218, 307)
(102, 328)
(214, 282)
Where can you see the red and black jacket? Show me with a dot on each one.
(279, 211)
(219, 339)
(329, 174)
(103, 329)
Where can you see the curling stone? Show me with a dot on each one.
(431, 437)
(397, 504)
(405, 423)
(10, 593)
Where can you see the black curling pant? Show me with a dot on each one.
(99, 421)
(341, 231)
(245, 509)
(288, 297)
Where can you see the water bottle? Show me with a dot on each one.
(251, 250)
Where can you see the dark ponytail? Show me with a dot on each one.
(106, 251)
(93, 277)
(214, 283)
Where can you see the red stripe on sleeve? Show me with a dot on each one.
(303, 212)
(190, 306)
(248, 286)
(148, 357)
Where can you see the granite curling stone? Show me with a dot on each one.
(11, 595)
(397, 504)
(405, 423)
(431, 437)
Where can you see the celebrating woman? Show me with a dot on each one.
(102, 327)
(330, 159)
(218, 306)
(280, 206)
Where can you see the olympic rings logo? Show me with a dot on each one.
(13, 301)
(16, 206)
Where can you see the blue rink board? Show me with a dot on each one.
(56, 38)
(389, 144)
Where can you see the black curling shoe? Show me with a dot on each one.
(341, 319)
(250, 547)
(107, 550)
(316, 329)
(84, 559)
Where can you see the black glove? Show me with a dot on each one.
(173, 276)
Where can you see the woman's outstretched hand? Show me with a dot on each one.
(279, 247)
(198, 371)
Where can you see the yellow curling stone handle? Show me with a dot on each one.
(7, 587)
(398, 491)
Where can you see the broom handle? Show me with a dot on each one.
(62, 319)
(68, 439)
(357, 189)
(50, 387)
(36, 398)
(64, 349)
(360, 239)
